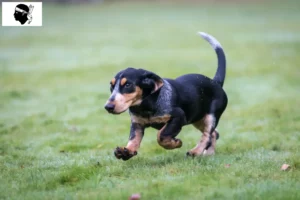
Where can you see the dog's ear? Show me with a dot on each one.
(151, 82)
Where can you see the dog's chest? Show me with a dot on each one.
(163, 119)
(154, 111)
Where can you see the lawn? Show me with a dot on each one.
(57, 141)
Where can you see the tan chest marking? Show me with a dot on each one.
(152, 120)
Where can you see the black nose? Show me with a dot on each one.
(110, 107)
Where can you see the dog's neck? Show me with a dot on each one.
(155, 104)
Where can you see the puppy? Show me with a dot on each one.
(169, 104)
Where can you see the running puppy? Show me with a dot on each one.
(169, 104)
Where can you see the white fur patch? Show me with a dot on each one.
(212, 41)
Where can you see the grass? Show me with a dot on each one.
(57, 141)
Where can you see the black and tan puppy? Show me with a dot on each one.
(169, 104)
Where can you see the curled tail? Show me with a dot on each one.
(221, 71)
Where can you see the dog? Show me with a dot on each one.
(169, 104)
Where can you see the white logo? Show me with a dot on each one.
(22, 13)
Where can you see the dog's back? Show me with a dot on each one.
(195, 93)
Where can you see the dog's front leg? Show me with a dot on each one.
(166, 135)
(135, 138)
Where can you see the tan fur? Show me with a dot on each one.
(123, 101)
(158, 85)
(113, 81)
(134, 144)
(204, 125)
(211, 149)
(151, 120)
(123, 81)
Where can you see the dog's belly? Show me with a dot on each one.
(157, 126)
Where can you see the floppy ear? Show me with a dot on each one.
(151, 82)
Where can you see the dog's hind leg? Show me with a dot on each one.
(210, 150)
(207, 126)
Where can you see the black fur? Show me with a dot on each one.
(134, 126)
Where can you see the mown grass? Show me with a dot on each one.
(57, 142)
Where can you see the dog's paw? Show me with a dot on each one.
(209, 152)
(193, 154)
(124, 153)
(190, 154)
(169, 143)
(205, 153)
(178, 143)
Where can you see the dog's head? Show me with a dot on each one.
(129, 87)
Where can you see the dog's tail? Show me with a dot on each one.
(221, 71)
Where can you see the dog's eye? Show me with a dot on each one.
(127, 85)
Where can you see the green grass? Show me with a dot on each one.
(57, 141)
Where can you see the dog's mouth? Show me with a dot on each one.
(115, 112)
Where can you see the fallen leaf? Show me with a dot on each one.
(135, 197)
(227, 165)
(74, 128)
(285, 167)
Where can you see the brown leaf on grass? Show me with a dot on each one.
(285, 167)
(74, 128)
(227, 165)
(135, 197)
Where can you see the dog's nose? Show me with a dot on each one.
(109, 107)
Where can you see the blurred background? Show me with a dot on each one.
(82, 44)
(54, 82)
